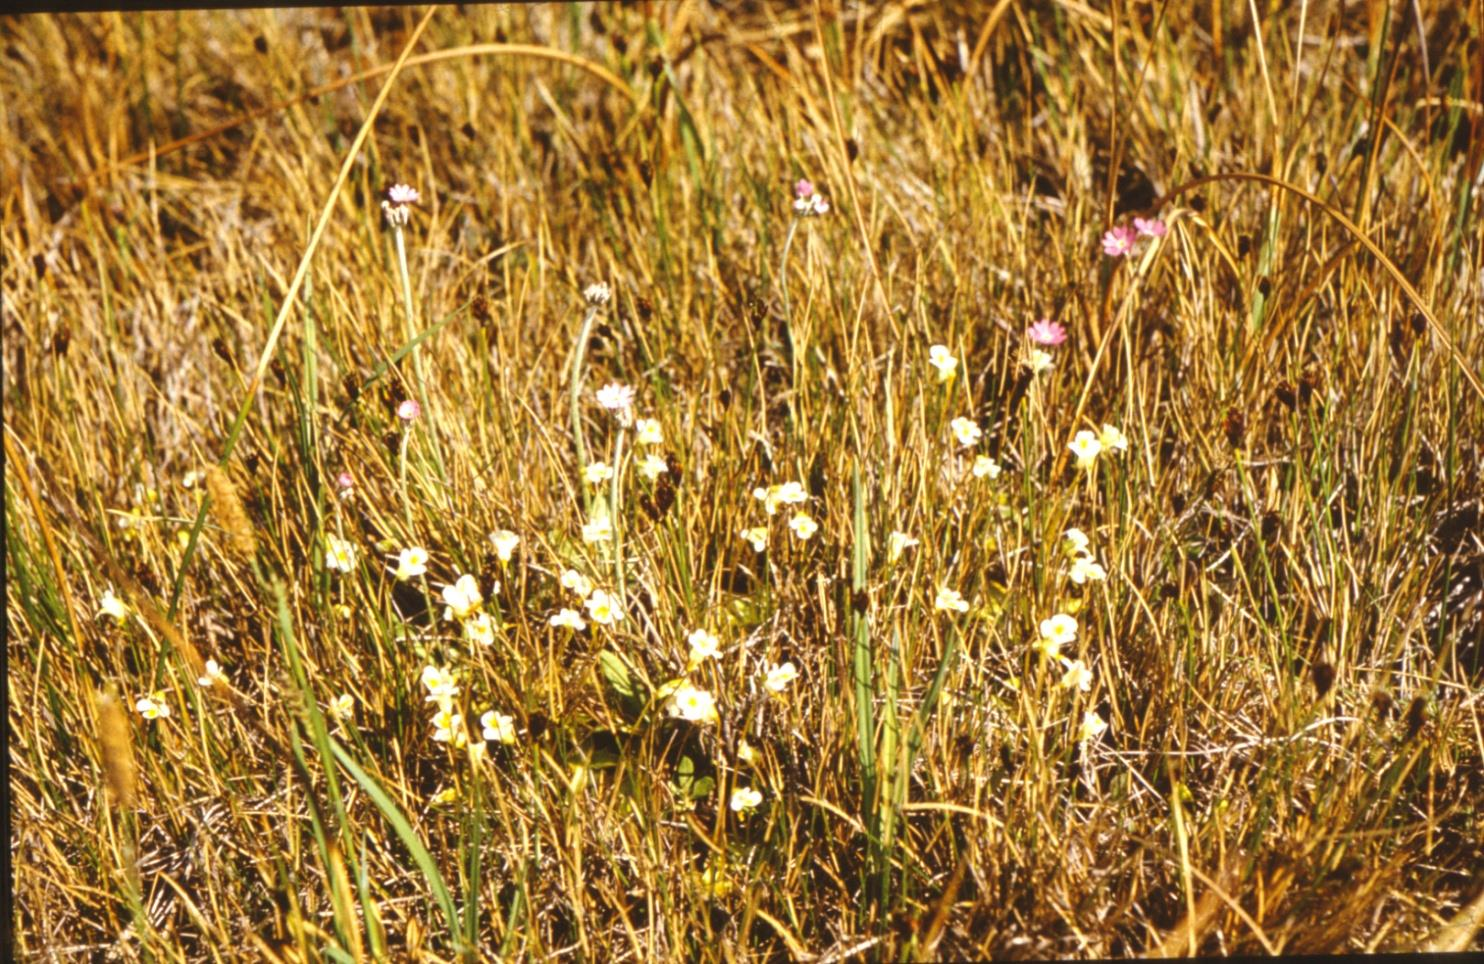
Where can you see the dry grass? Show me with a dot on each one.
(1286, 649)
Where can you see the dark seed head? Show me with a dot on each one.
(1324, 678)
(1235, 427)
(1416, 716)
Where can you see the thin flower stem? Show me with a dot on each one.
(795, 348)
(575, 394)
(417, 360)
(614, 515)
(402, 477)
(788, 242)
(415, 341)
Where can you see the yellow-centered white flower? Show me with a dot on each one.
(943, 362)
(504, 542)
(950, 600)
(966, 431)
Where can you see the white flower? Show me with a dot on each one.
(577, 583)
(449, 727)
(499, 727)
(966, 431)
(153, 706)
(402, 194)
(1092, 727)
(411, 563)
(690, 703)
(597, 294)
(339, 554)
(647, 432)
(788, 493)
(1039, 361)
(440, 685)
(758, 536)
(985, 467)
(950, 600)
(1112, 439)
(480, 629)
(342, 707)
(1077, 676)
(111, 605)
(745, 799)
(1076, 541)
(1086, 447)
(212, 675)
(505, 542)
(599, 529)
(803, 526)
(1085, 568)
(597, 473)
(569, 618)
(703, 646)
(603, 609)
(896, 544)
(652, 467)
(616, 397)
(462, 598)
(1056, 632)
(942, 359)
(778, 677)
(399, 198)
(1061, 628)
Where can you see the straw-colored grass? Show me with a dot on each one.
(209, 320)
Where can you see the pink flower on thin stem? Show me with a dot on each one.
(1152, 228)
(1118, 242)
(344, 481)
(1047, 332)
(402, 194)
(807, 203)
(409, 410)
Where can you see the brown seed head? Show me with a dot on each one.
(230, 515)
(116, 749)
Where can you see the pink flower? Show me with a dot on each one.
(402, 194)
(1118, 242)
(807, 203)
(344, 481)
(1152, 228)
(409, 410)
(1047, 332)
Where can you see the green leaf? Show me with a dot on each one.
(410, 839)
(689, 784)
(631, 691)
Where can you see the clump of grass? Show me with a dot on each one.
(1016, 493)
